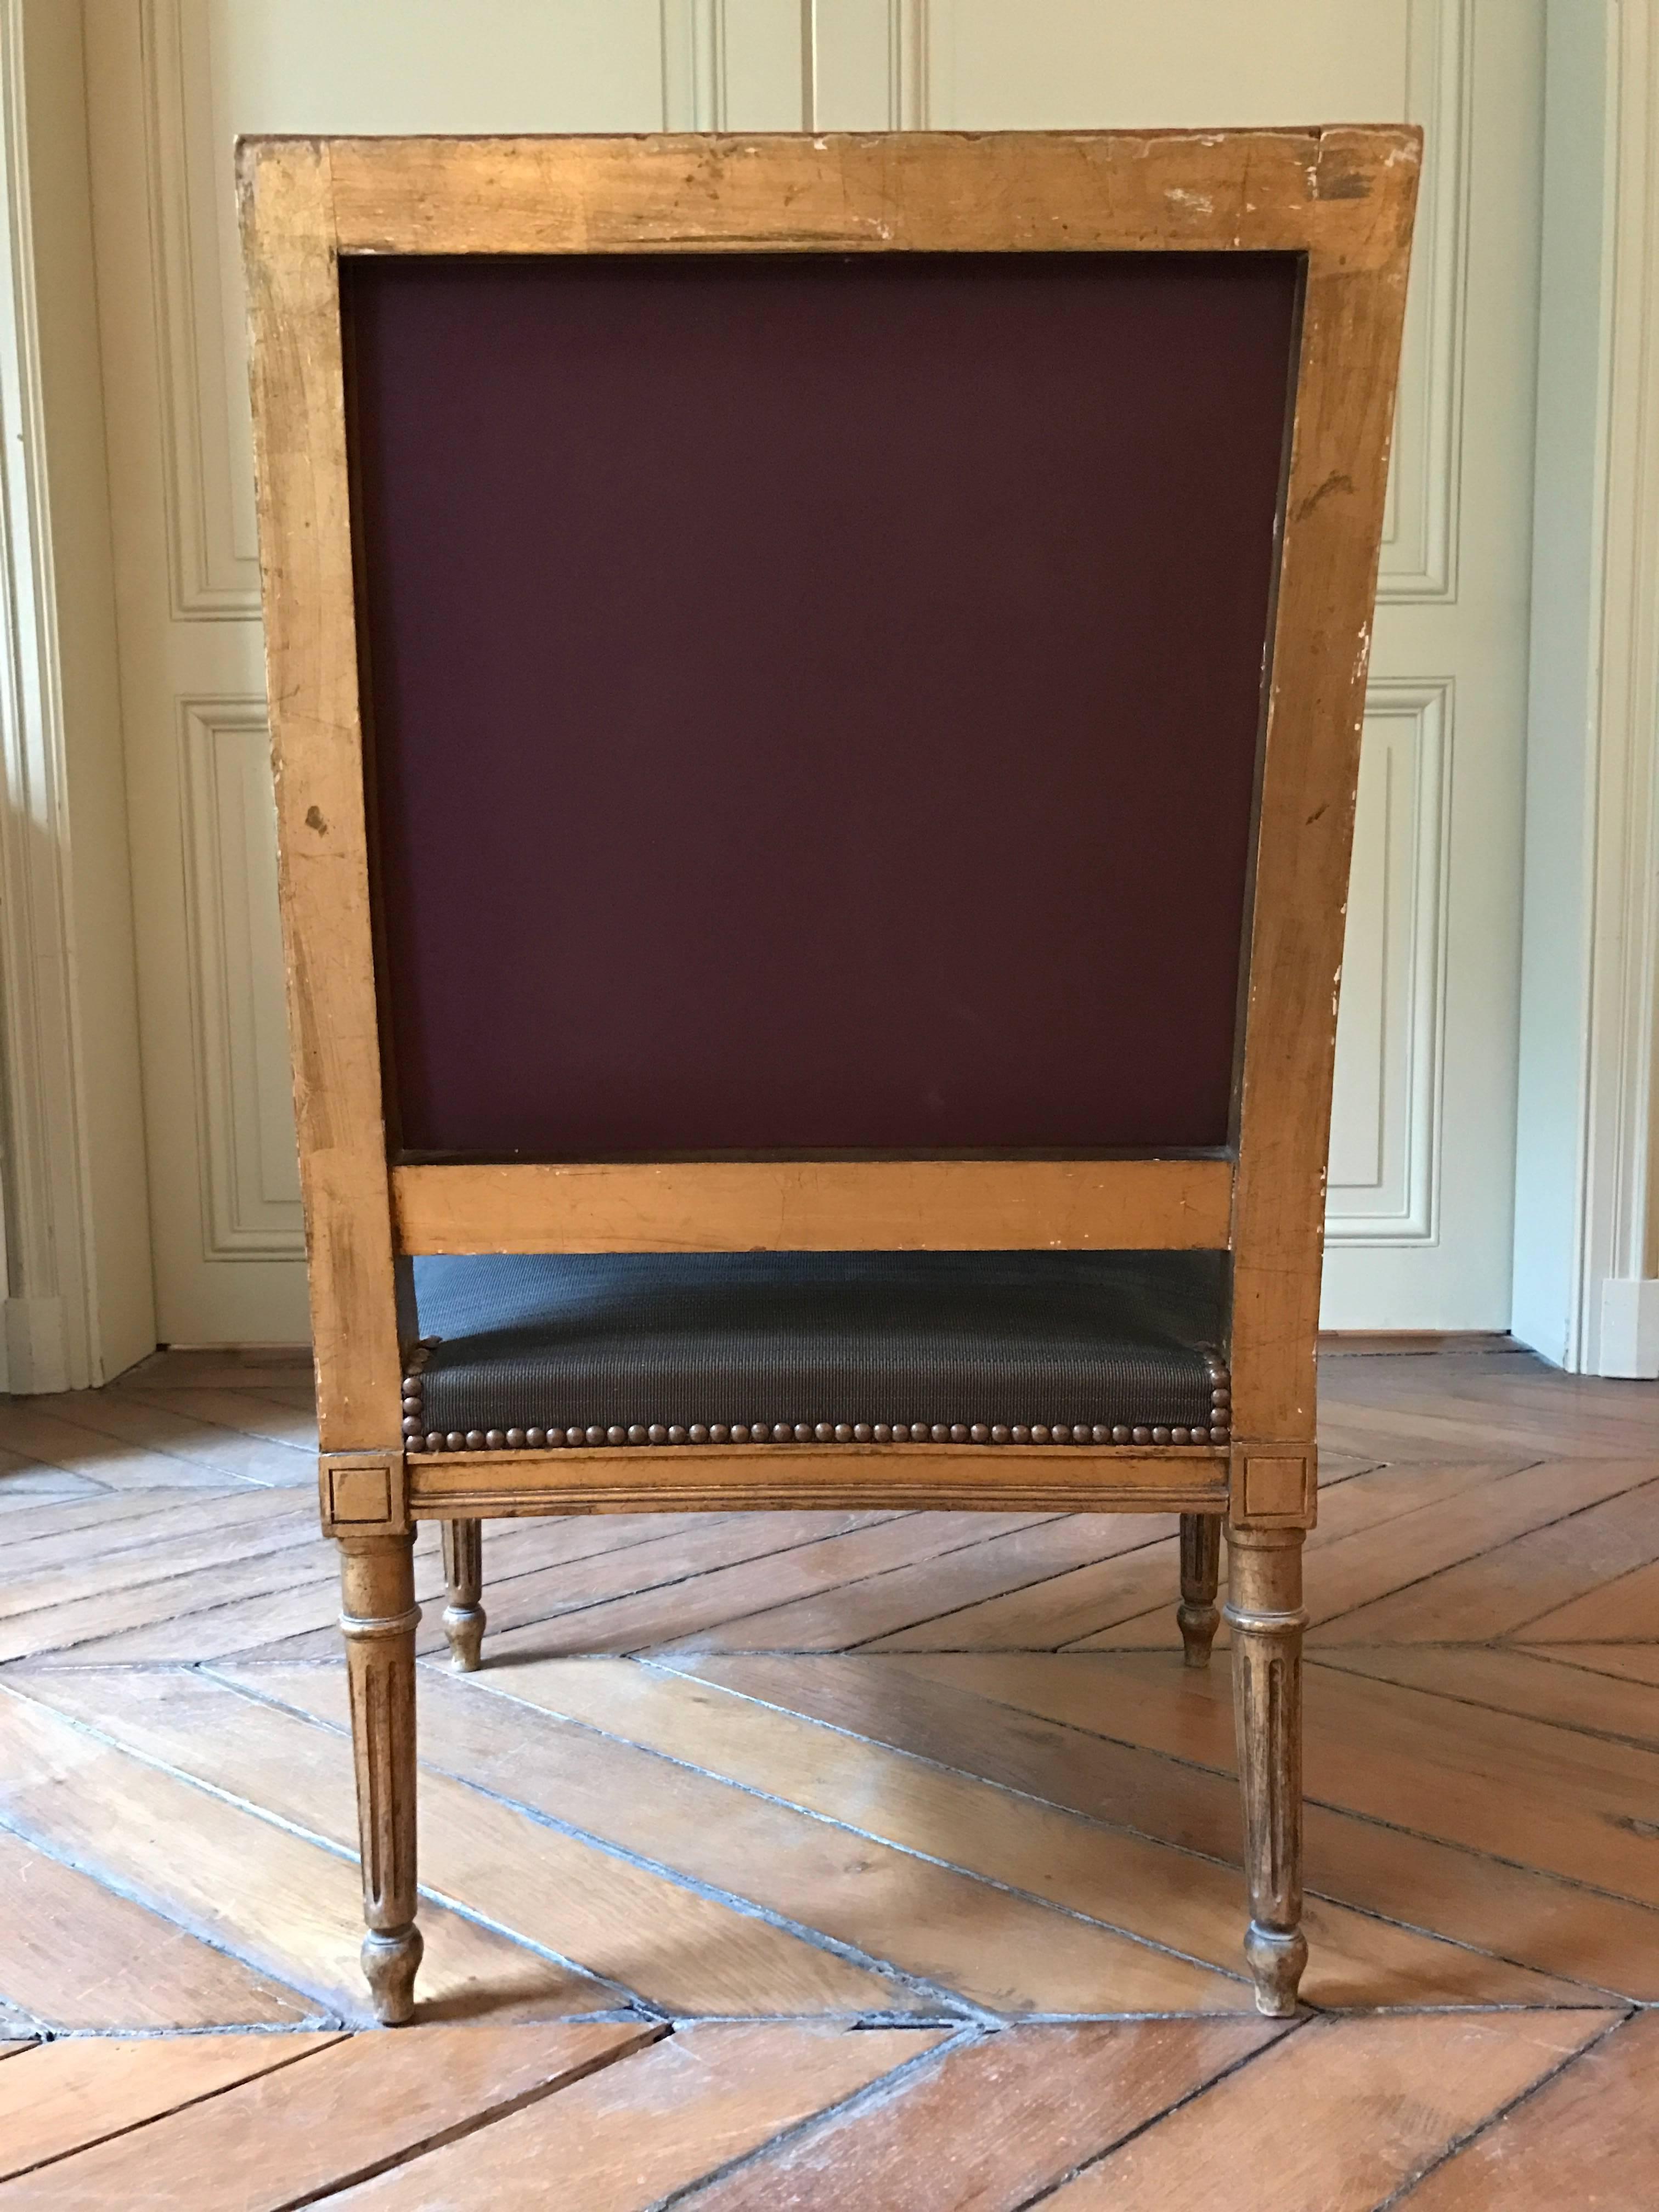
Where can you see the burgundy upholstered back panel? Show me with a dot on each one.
(814, 700)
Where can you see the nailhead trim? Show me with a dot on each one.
(417, 1438)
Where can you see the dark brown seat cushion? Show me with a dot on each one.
(776, 1346)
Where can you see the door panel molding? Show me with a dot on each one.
(1420, 532)
(250, 1177)
(1385, 1136)
(213, 566)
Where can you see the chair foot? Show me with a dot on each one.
(1198, 1625)
(1197, 1614)
(1276, 1962)
(391, 1958)
(464, 1616)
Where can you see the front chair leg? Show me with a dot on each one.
(1200, 1572)
(464, 1616)
(379, 1617)
(1264, 1607)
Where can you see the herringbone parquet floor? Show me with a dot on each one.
(882, 1860)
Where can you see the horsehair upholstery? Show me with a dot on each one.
(984, 1347)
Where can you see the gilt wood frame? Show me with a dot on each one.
(1343, 198)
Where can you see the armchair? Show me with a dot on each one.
(816, 688)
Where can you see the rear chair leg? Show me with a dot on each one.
(1264, 1607)
(379, 1617)
(464, 1616)
(1200, 1572)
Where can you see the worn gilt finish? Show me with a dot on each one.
(817, 1206)
(1344, 199)
(379, 1617)
(715, 1478)
(311, 658)
(1200, 1574)
(1264, 1611)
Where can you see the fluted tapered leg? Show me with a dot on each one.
(1264, 1607)
(464, 1616)
(1200, 1572)
(380, 1618)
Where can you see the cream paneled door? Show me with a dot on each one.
(1422, 1151)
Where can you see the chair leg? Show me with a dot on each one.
(464, 1616)
(379, 1617)
(1200, 1572)
(1264, 1607)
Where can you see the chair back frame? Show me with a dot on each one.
(1343, 199)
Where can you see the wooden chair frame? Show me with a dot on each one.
(1342, 198)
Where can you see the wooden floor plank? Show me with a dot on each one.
(1134, 1597)
(918, 1588)
(212, 1622)
(114, 1437)
(1046, 1614)
(1588, 2138)
(24, 1486)
(343, 2111)
(244, 1412)
(1048, 1742)
(302, 1619)
(87, 1625)
(71, 2094)
(75, 1954)
(655, 1576)
(1355, 1568)
(291, 1909)
(677, 1948)
(101, 1509)
(1632, 1662)
(33, 1431)
(1164, 1896)
(1626, 1609)
(626, 2138)
(513, 1548)
(1507, 1680)
(220, 1367)
(1005, 1953)
(299, 1396)
(696, 1569)
(679, 1610)
(1510, 1788)
(251, 1526)
(1353, 1510)
(1402, 1410)
(303, 1623)
(1461, 1382)
(134, 1521)
(990, 2124)
(1514, 1583)
(955, 1804)
(1333, 2118)
(1397, 1433)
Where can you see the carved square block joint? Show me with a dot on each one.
(363, 1492)
(1275, 1489)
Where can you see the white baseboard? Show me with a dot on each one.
(35, 1355)
(1630, 1327)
